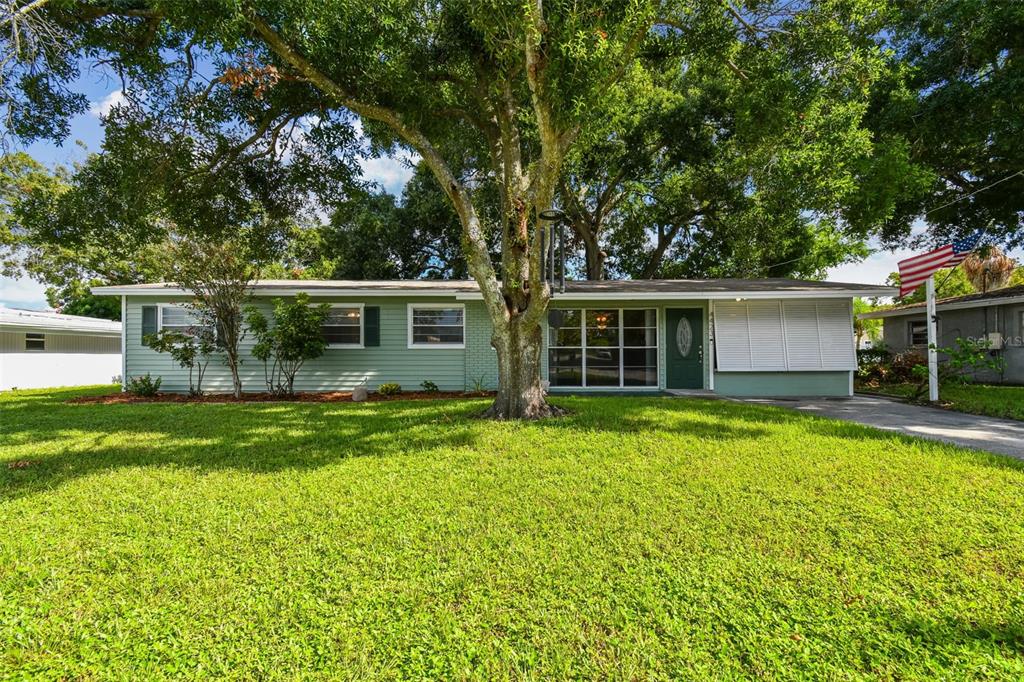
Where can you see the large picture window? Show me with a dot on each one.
(603, 347)
(437, 326)
(343, 326)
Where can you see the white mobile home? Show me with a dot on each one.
(43, 349)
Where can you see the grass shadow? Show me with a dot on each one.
(50, 441)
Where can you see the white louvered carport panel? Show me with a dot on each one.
(732, 337)
(835, 329)
(802, 347)
(767, 337)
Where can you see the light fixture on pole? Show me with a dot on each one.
(557, 217)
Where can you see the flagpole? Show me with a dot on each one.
(933, 355)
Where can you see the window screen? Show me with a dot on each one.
(343, 326)
(436, 326)
(35, 341)
(179, 319)
(918, 333)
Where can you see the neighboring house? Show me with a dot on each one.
(42, 350)
(997, 316)
(735, 337)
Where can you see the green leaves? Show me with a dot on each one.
(295, 336)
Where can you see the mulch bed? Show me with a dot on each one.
(332, 397)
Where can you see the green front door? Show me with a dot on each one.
(684, 348)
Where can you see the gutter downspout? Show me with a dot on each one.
(124, 344)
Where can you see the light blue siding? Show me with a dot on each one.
(455, 369)
(338, 369)
(782, 384)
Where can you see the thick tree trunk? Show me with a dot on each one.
(595, 259)
(520, 390)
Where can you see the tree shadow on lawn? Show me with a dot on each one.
(717, 419)
(52, 441)
(55, 441)
(956, 633)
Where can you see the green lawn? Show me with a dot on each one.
(983, 399)
(639, 538)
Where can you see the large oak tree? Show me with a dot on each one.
(489, 94)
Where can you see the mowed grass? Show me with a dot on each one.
(982, 399)
(639, 538)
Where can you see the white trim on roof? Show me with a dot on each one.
(921, 310)
(44, 322)
(702, 296)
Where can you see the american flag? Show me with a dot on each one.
(914, 271)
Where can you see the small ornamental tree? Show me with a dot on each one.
(220, 276)
(294, 338)
(963, 362)
(192, 351)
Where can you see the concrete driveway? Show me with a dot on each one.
(1005, 436)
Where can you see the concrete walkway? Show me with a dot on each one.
(1005, 436)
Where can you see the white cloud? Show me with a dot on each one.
(105, 105)
(391, 173)
(23, 293)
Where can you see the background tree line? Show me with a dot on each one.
(692, 174)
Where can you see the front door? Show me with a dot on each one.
(684, 348)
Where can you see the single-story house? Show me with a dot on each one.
(997, 316)
(758, 337)
(44, 349)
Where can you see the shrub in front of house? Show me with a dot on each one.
(879, 366)
(284, 347)
(390, 388)
(144, 385)
(192, 351)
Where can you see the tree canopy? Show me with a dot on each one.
(956, 97)
(243, 114)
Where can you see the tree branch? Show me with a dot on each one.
(478, 257)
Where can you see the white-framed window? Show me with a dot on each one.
(35, 342)
(176, 318)
(917, 332)
(603, 347)
(435, 325)
(343, 327)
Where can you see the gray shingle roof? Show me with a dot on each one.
(967, 301)
(668, 287)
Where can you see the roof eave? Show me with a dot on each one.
(920, 309)
(279, 291)
(55, 329)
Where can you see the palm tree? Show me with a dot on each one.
(989, 268)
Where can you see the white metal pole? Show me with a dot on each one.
(933, 356)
